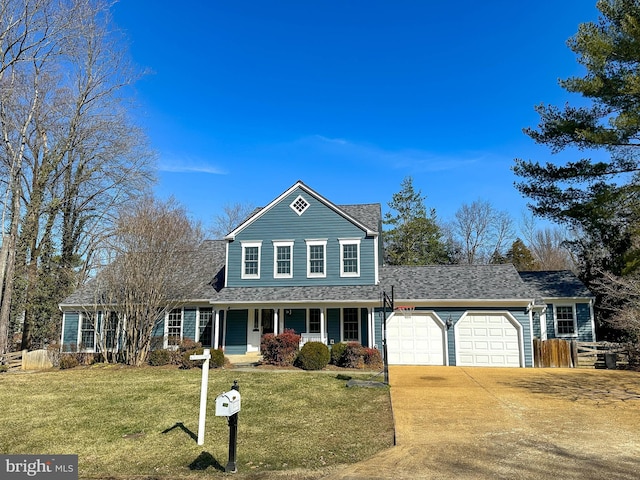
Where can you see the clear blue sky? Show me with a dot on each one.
(245, 98)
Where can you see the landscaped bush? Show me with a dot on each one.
(337, 350)
(373, 358)
(158, 358)
(280, 349)
(68, 360)
(353, 356)
(313, 356)
(217, 359)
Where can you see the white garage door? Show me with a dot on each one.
(487, 339)
(415, 339)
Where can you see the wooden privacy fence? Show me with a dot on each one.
(25, 360)
(552, 353)
(13, 360)
(558, 353)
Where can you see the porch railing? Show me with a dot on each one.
(312, 337)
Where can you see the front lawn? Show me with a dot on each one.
(124, 422)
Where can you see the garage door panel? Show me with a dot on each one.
(487, 340)
(416, 339)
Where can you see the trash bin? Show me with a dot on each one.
(610, 360)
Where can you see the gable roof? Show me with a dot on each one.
(362, 216)
(556, 284)
(455, 282)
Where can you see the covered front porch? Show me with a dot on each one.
(244, 325)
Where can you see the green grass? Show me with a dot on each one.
(127, 422)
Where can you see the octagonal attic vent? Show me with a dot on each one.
(299, 205)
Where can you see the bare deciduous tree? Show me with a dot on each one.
(232, 215)
(69, 156)
(547, 245)
(153, 247)
(481, 232)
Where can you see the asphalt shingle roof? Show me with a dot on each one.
(452, 282)
(556, 284)
(299, 294)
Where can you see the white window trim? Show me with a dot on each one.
(282, 243)
(79, 343)
(349, 241)
(315, 243)
(246, 245)
(103, 334)
(575, 320)
(166, 328)
(300, 212)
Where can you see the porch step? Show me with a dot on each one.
(245, 360)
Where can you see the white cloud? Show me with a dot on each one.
(185, 164)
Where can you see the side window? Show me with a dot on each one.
(565, 320)
(88, 331)
(350, 325)
(174, 326)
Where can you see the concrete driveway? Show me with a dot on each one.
(477, 423)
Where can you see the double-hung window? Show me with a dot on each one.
(283, 259)
(565, 320)
(88, 331)
(205, 323)
(174, 326)
(314, 320)
(111, 331)
(316, 258)
(349, 257)
(350, 325)
(251, 259)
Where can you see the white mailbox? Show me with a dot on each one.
(228, 403)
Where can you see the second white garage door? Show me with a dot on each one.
(415, 339)
(488, 340)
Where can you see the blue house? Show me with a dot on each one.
(307, 264)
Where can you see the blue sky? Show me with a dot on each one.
(244, 98)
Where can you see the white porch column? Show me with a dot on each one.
(322, 329)
(216, 329)
(370, 329)
(276, 321)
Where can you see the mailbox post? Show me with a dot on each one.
(228, 405)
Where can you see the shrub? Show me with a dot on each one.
(337, 350)
(186, 344)
(4, 368)
(313, 356)
(157, 358)
(68, 360)
(373, 358)
(280, 349)
(217, 359)
(353, 356)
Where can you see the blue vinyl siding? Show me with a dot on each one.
(317, 222)
(296, 321)
(583, 313)
(70, 333)
(236, 332)
(189, 323)
(333, 325)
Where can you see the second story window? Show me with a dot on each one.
(316, 258)
(251, 259)
(350, 257)
(283, 259)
